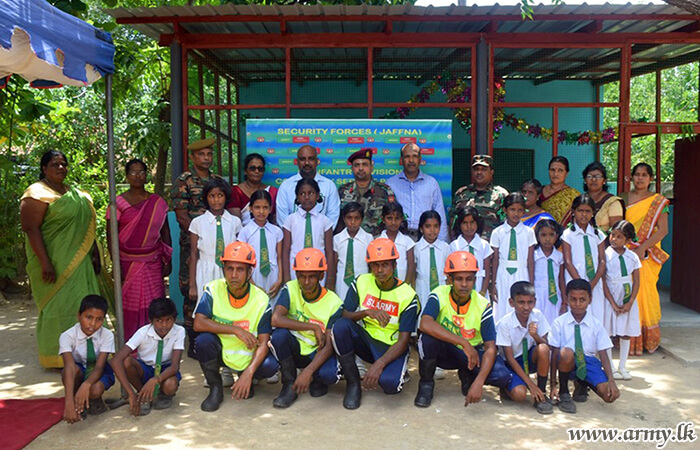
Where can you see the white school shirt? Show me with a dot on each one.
(510, 333)
(594, 337)
(550, 310)
(482, 250)
(359, 250)
(421, 253)
(613, 271)
(296, 225)
(403, 244)
(578, 251)
(74, 341)
(500, 241)
(145, 340)
(273, 235)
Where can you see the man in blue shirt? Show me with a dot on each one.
(307, 161)
(416, 191)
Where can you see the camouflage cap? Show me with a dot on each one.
(202, 143)
(482, 160)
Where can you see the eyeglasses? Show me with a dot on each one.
(256, 168)
(137, 173)
(594, 177)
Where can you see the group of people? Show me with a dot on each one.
(328, 277)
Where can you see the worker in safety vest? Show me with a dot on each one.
(303, 316)
(379, 314)
(233, 318)
(457, 332)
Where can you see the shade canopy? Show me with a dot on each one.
(51, 48)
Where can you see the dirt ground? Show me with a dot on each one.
(662, 393)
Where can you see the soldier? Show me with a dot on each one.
(482, 195)
(187, 203)
(366, 191)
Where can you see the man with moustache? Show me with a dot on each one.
(307, 160)
(482, 194)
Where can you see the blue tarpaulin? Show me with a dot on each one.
(49, 47)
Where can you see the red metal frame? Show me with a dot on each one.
(555, 131)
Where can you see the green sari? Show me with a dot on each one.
(68, 231)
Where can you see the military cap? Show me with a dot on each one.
(482, 160)
(365, 153)
(202, 143)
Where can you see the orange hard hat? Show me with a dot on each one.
(381, 249)
(310, 260)
(461, 262)
(241, 252)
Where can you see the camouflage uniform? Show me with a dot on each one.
(488, 202)
(377, 195)
(186, 194)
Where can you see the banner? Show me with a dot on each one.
(335, 139)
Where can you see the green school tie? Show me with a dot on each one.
(579, 355)
(91, 358)
(434, 282)
(219, 243)
(471, 250)
(350, 264)
(590, 270)
(552, 282)
(159, 361)
(265, 267)
(627, 287)
(512, 251)
(526, 356)
(308, 237)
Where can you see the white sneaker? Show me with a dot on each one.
(625, 374)
(439, 373)
(617, 375)
(361, 366)
(273, 379)
(226, 377)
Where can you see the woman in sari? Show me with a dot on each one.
(253, 171)
(649, 214)
(62, 260)
(608, 208)
(556, 197)
(144, 247)
(531, 190)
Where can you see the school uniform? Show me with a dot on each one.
(594, 338)
(501, 242)
(403, 244)
(205, 227)
(422, 254)
(480, 248)
(75, 342)
(145, 342)
(251, 234)
(545, 292)
(341, 242)
(510, 333)
(626, 324)
(296, 225)
(575, 238)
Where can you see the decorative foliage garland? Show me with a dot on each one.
(458, 90)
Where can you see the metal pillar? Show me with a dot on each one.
(176, 131)
(482, 97)
(113, 227)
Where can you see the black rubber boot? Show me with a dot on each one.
(216, 389)
(426, 385)
(317, 388)
(289, 373)
(466, 378)
(353, 388)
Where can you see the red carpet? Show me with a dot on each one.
(21, 421)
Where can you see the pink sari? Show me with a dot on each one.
(142, 254)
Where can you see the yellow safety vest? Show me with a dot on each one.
(318, 312)
(467, 324)
(234, 351)
(393, 302)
